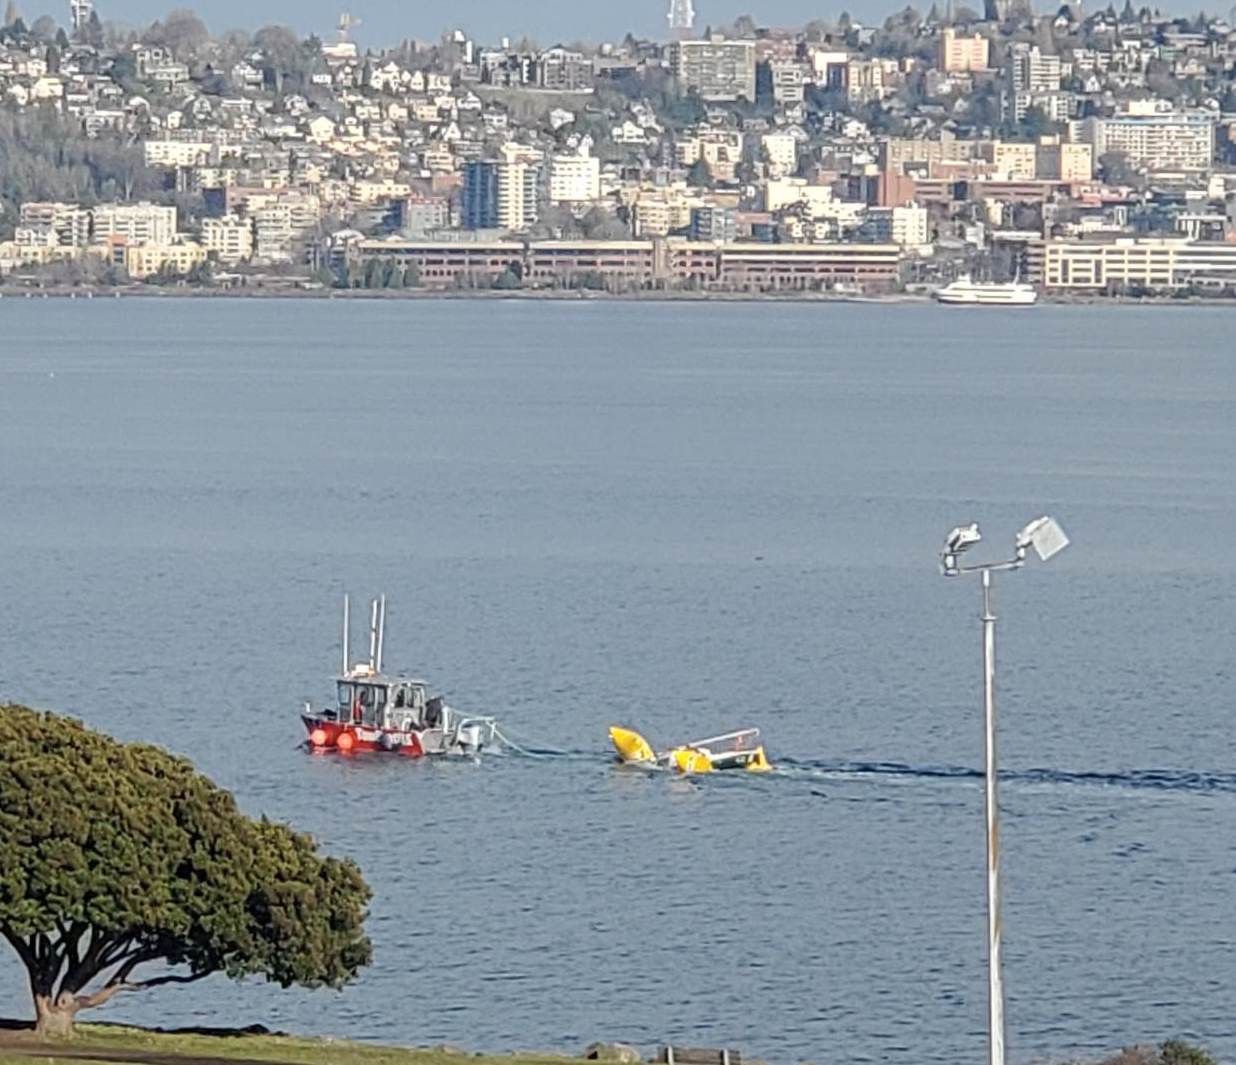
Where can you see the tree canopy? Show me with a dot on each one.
(117, 856)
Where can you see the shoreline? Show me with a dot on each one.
(577, 296)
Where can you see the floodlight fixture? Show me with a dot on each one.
(961, 539)
(1045, 536)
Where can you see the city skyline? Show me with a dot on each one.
(552, 21)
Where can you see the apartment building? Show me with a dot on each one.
(1057, 160)
(229, 240)
(962, 53)
(1032, 70)
(716, 69)
(68, 223)
(574, 179)
(1155, 139)
(280, 221)
(519, 186)
(781, 152)
(720, 149)
(146, 260)
(137, 223)
(177, 153)
(905, 226)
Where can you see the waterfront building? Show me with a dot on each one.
(68, 223)
(145, 260)
(479, 201)
(229, 239)
(1133, 263)
(136, 222)
(716, 69)
(735, 267)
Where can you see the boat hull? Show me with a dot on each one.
(335, 737)
(632, 748)
(971, 295)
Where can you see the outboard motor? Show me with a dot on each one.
(469, 738)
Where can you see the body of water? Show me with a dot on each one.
(684, 518)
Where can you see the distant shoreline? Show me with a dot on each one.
(581, 296)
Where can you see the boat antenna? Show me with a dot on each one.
(381, 628)
(345, 633)
(373, 634)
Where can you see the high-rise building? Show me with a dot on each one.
(503, 193)
(1033, 81)
(479, 207)
(1031, 70)
(717, 69)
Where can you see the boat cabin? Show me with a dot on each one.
(370, 699)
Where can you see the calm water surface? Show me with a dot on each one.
(684, 518)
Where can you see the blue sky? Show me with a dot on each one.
(544, 20)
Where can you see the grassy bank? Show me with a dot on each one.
(106, 1043)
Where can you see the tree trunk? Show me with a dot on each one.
(54, 1017)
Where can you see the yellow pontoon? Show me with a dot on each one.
(734, 750)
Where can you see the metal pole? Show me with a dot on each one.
(381, 628)
(995, 981)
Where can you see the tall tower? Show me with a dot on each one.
(80, 13)
(681, 19)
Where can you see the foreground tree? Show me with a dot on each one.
(114, 857)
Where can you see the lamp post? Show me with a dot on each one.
(1047, 539)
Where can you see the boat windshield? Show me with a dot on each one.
(361, 702)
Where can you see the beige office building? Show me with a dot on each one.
(1135, 263)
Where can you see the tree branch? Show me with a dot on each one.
(103, 952)
(29, 950)
(105, 994)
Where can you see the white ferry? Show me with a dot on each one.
(1006, 294)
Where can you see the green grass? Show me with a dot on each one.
(20, 1048)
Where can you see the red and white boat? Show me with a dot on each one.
(389, 713)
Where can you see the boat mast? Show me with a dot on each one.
(345, 634)
(373, 635)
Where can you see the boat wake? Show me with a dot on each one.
(1151, 780)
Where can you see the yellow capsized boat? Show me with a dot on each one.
(632, 748)
(734, 750)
